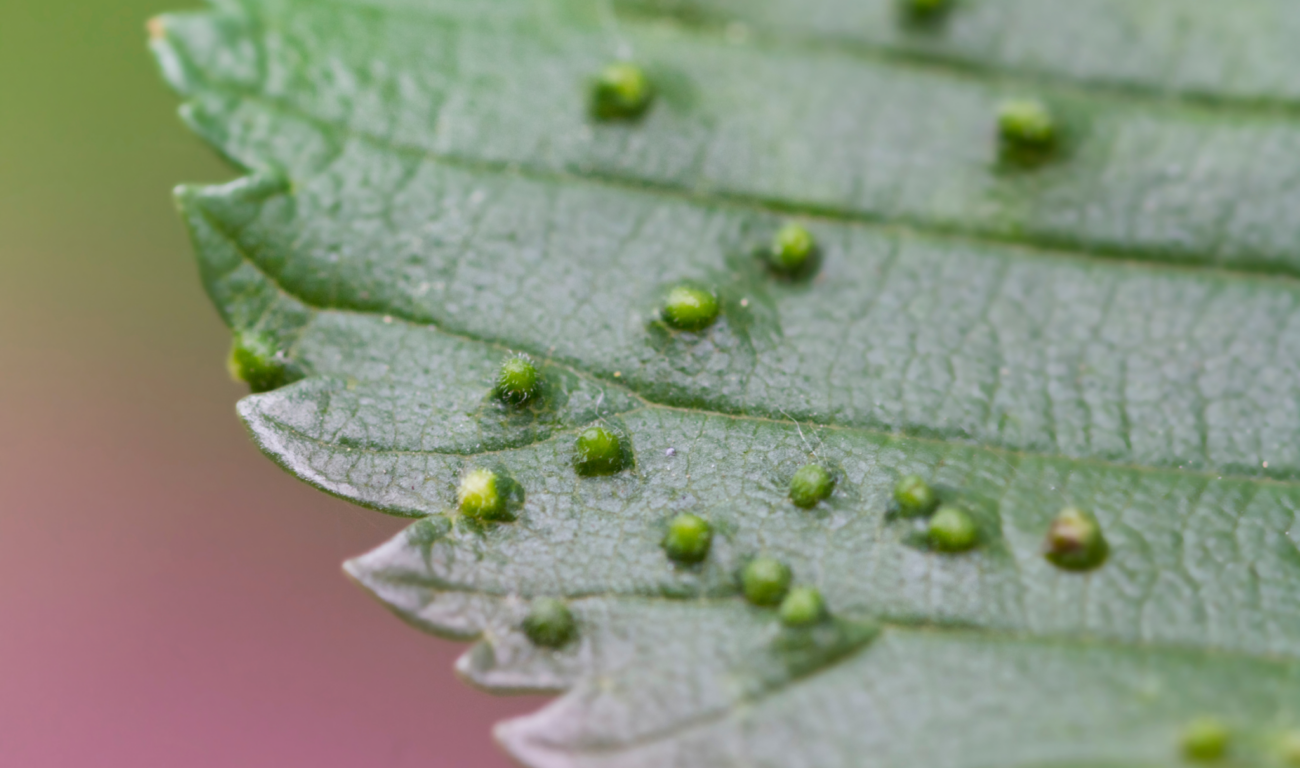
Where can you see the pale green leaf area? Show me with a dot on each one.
(1216, 52)
(1113, 328)
(502, 86)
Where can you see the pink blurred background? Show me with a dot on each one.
(169, 597)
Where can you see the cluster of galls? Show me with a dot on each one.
(1211, 740)
(1074, 540)
(623, 91)
(484, 494)
(1027, 132)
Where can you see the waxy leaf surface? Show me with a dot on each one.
(1114, 328)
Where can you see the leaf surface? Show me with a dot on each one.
(1145, 179)
(1115, 330)
(1237, 55)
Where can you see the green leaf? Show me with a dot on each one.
(1107, 324)
(1207, 52)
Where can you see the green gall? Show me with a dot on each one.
(1205, 739)
(1074, 541)
(1026, 124)
(952, 529)
(915, 497)
(803, 606)
(690, 309)
(255, 361)
(765, 581)
(550, 623)
(517, 381)
(688, 539)
(810, 485)
(599, 452)
(792, 248)
(481, 497)
(621, 91)
(926, 8)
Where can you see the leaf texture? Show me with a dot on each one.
(1235, 55)
(1116, 329)
(1145, 179)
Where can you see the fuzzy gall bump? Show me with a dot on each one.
(952, 529)
(802, 607)
(1205, 739)
(792, 248)
(688, 539)
(1075, 541)
(481, 496)
(690, 309)
(810, 485)
(550, 623)
(621, 92)
(765, 581)
(1026, 124)
(599, 452)
(255, 361)
(914, 496)
(517, 380)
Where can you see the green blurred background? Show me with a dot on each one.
(169, 597)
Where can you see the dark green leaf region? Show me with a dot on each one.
(924, 10)
(560, 315)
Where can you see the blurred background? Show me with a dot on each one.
(168, 597)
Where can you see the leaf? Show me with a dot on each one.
(1113, 328)
(1199, 51)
